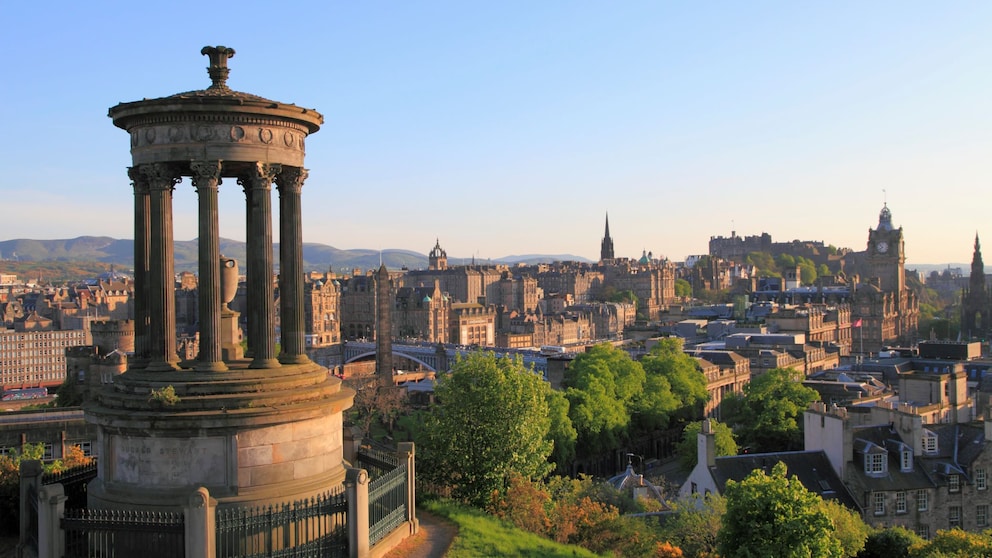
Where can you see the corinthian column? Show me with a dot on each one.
(141, 250)
(161, 178)
(261, 306)
(290, 183)
(206, 178)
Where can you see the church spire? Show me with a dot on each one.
(606, 248)
(977, 267)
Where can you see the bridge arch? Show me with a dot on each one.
(407, 356)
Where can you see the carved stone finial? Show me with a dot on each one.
(218, 69)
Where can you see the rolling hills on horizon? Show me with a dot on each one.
(316, 257)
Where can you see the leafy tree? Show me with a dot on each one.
(695, 525)
(953, 543)
(525, 504)
(376, 401)
(765, 264)
(687, 382)
(807, 271)
(491, 420)
(666, 550)
(823, 270)
(785, 261)
(562, 432)
(624, 296)
(893, 542)
(601, 388)
(683, 288)
(765, 417)
(10, 478)
(776, 517)
(687, 448)
(849, 528)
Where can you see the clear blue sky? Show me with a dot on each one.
(512, 127)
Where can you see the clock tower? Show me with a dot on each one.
(886, 254)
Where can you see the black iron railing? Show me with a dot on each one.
(314, 527)
(98, 533)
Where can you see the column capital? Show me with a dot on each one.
(206, 174)
(291, 179)
(260, 177)
(138, 180)
(160, 176)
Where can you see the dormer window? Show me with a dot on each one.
(954, 483)
(876, 463)
(929, 442)
(905, 459)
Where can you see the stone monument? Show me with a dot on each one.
(252, 429)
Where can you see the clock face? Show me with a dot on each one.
(882, 247)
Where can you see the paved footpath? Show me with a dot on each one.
(431, 541)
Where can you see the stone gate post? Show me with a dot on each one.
(406, 453)
(51, 507)
(201, 529)
(356, 484)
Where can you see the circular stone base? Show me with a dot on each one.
(250, 436)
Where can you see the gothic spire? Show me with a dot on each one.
(977, 266)
(606, 248)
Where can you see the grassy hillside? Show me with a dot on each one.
(480, 534)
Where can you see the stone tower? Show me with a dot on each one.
(256, 430)
(976, 300)
(383, 325)
(438, 258)
(606, 248)
(887, 254)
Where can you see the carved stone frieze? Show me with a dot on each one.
(247, 132)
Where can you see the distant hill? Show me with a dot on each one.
(316, 257)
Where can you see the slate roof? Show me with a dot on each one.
(812, 468)
(958, 446)
(894, 479)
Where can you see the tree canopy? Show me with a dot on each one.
(767, 415)
(686, 381)
(892, 542)
(774, 516)
(492, 420)
(695, 525)
(601, 385)
(953, 543)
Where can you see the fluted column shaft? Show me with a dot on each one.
(161, 178)
(141, 249)
(293, 335)
(261, 294)
(206, 179)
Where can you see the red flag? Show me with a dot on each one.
(857, 323)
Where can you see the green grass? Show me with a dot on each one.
(480, 534)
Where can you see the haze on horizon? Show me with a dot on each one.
(513, 127)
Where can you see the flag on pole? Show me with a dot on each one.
(857, 323)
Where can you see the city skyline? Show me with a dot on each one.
(511, 128)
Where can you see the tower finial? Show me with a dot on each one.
(218, 69)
